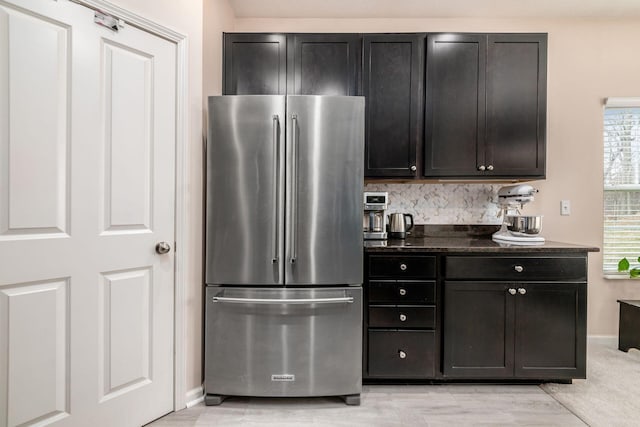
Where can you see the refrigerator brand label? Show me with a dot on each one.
(283, 377)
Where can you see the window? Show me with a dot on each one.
(621, 183)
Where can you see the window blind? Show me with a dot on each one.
(621, 184)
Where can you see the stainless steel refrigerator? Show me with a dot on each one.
(283, 312)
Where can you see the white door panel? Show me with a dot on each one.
(34, 91)
(34, 362)
(87, 192)
(128, 109)
(125, 330)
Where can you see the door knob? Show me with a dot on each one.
(403, 317)
(522, 291)
(512, 291)
(402, 354)
(163, 248)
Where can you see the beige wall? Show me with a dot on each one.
(588, 60)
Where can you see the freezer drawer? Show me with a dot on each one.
(283, 342)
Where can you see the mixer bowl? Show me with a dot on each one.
(527, 224)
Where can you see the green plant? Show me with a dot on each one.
(623, 265)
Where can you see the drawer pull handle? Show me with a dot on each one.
(402, 354)
(519, 268)
(512, 291)
(403, 267)
(403, 317)
(522, 291)
(402, 291)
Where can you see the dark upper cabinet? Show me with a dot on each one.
(393, 75)
(323, 64)
(516, 104)
(255, 64)
(455, 107)
(477, 111)
(485, 113)
(301, 64)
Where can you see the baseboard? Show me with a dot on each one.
(194, 396)
(608, 340)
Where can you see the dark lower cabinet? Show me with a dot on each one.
(400, 317)
(392, 78)
(323, 64)
(551, 333)
(514, 330)
(255, 64)
(478, 330)
(401, 354)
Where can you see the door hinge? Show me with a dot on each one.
(108, 21)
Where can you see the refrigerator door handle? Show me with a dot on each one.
(294, 187)
(339, 300)
(276, 175)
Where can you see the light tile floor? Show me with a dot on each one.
(437, 405)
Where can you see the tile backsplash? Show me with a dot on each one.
(443, 203)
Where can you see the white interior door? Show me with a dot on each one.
(87, 187)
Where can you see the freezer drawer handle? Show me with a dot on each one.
(347, 300)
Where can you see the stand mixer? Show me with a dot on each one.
(511, 199)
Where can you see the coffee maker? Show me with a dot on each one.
(373, 221)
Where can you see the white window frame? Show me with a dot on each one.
(612, 273)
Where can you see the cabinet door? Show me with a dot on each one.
(551, 330)
(393, 85)
(478, 330)
(455, 105)
(323, 64)
(255, 64)
(516, 104)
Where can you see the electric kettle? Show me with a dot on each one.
(398, 225)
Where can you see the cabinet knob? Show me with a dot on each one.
(490, 167)
(512, 291)
(402, 291)
(403, 317)
(414, 168)
(481, 167)
(402, 354)
(403, 267)
(518, 268)
(522, 291)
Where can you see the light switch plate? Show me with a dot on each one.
(565, 207)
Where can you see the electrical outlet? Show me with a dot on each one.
(565, 207)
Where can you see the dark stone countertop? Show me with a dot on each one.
(464, 238)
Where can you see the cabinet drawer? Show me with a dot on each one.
(516, 268)
(406, 316)
(401, 267)
(403, 292)
(401, 354)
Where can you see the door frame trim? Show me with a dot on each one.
(182, 154)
